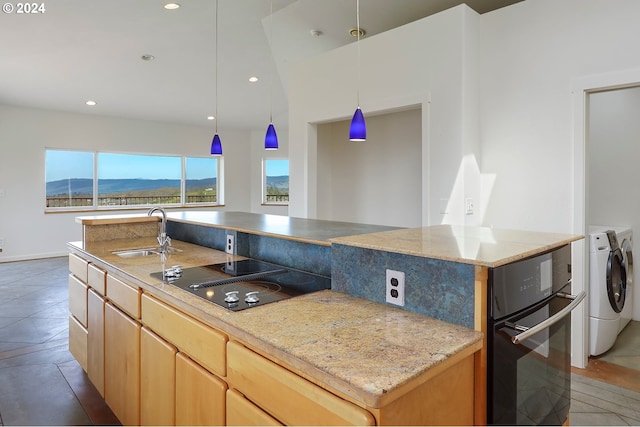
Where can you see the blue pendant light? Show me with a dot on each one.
(216, 144)
(358, 128)
(271, 138)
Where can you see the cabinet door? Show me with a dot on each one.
(122, 365)
(200, 395)
(78, 341)
(95, 340)
(241, 412)
(157, 380)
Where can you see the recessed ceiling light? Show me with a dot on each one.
(171, 6)
(147, 57)
(354, 32)
(91, 103)
(210, 118)
(253, 79)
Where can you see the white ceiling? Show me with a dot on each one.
(91, 49)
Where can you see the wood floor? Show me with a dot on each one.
(41, 383)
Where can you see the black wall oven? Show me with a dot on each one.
(529, 340)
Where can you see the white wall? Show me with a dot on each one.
(421, 64)
(25, 133)
(373, 182)
(531, 53)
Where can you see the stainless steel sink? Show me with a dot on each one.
(132, 253)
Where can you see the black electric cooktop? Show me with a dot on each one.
(238, 285)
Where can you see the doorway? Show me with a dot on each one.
(612, 176)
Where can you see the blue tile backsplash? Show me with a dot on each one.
(289, 253)
(436, 288)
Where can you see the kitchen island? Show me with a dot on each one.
(446, 262)
(378, 360)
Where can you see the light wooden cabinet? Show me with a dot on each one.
(446, 398)
(78, 334)
(125, 296)
(78, 341)
(200, 395)
(157, 380)
(122, 365)
(78, 267)
(95, 340)
(286, 396)
(242, 412)
(78, 299)
(97, 279)
(202, 343)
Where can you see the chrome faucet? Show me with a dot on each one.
(163, 240)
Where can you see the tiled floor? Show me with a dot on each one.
(41, 383)
(626, 350)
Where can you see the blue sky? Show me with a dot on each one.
(277, 167)
(79, 164)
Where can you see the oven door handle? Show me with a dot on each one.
(550, 321)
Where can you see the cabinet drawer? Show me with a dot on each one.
(96, 278)
(241, 412)
(125, 296)
(202, 343)
(78, 267)
(286, 396)
(78, 342)
(78, 299)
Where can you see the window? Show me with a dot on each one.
(276, 182)
(76, 179)
(69, 178)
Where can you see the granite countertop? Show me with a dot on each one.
(483, 246)
(300, 229)
(328, 337)
(466, 244)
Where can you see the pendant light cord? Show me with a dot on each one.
(271, 77)
(216, 118)
(358, 47)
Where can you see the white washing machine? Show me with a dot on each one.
(607, 286)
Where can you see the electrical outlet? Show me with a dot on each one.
(468, 206)
(230, 246)
(395, 287)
